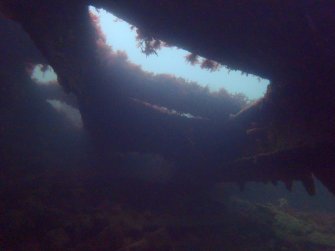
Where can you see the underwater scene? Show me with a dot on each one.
(103, 148)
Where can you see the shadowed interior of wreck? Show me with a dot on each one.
(127, 113)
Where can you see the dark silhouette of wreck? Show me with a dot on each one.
(286, 136)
